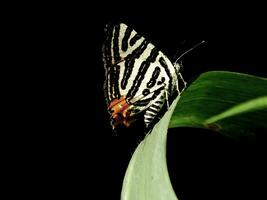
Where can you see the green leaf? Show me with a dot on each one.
(233, 104)
(147, 175)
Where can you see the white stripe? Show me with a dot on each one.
(152, 109)
(112, 46)
(123, 28)
(135, 70)
(151, 114)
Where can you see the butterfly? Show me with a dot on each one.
(139, 78)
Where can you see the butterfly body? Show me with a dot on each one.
(139, 77)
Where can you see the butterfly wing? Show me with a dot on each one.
(138, 76)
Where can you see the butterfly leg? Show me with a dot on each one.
(184, 83)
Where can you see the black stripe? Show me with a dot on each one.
(107, 57)
(165, 66)
(152, 113)
(135, 39)
(161, 81)
(124, 44)
(129, 62)
(106, 49)
(149, 118)
(116, 81)
(111, 80)
(105, 89)
(144, 102)
(114, 69)
(155, 106)
(153, 109)
(116, 44)
(146, 92)
(153, 78)
(142, 72)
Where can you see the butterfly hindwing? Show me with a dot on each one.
(138, 75)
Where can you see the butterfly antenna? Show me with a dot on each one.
(177, 53)
(192, 48)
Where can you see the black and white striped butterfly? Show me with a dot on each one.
(139, 77)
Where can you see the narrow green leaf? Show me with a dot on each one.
(205, 102)
(248, 106)
(147, 175)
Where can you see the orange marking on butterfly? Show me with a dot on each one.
(120, 112)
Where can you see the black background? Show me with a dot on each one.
(78, 154)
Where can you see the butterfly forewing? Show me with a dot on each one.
(139, 77)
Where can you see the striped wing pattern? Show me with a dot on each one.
(136, 73)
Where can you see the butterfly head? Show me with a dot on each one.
(121, 112)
